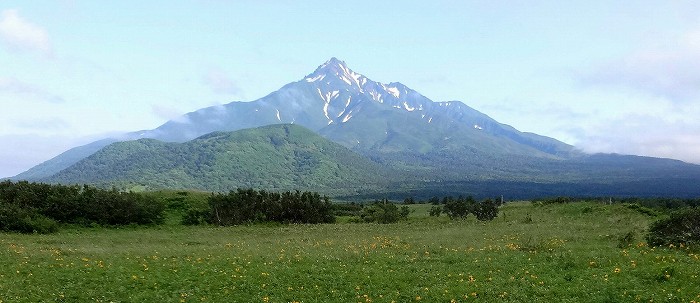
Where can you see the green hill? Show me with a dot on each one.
(275, 157)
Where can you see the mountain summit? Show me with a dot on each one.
(405, 132)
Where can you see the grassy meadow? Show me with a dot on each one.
(577, 252)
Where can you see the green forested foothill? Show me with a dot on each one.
(36, 207)
(276, 157)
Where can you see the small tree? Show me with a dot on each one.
(458, 208)
(487, 210)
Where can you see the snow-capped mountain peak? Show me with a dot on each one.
(337, 69)
(342, 91)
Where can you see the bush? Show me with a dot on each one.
(195, 216)
(435, 211)
(384, 212)
(249, 206)
(681, 227)
(486, 210)
(458, 208)
(13, 218)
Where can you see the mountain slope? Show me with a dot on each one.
(276, 157)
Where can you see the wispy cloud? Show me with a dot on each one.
(16, 87)
(43, 124)
(169, 113)
(643, 135)
(20, 35)
(220, 83)
(672, 72)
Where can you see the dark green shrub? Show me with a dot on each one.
(458, 208)
(461, 208)
(487, 210)
(37, 207)
(249, 206)
(681, 227)
(384, 212)
(435, 211)
(195, 216)
(14, 218)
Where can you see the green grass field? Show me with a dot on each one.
(579, 252)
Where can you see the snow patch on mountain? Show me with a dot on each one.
(347, 117)
(316, 78)
(325, 112)
(394, 91)
(376, 96)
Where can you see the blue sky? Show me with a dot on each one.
(605, 76)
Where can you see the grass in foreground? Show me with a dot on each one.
(557, 253)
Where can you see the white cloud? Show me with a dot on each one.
(650, 104)
(20, 35)
(16, 87)
(644, 135)
(672, 72)
(169, 113)
(220, 83)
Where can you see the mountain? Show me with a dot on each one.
(274, 157)
(420, 143)
(365, 115)
(385, 120)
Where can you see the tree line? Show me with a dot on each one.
(253, 206)
(37, 207)
(42, 208)
(659, 203)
